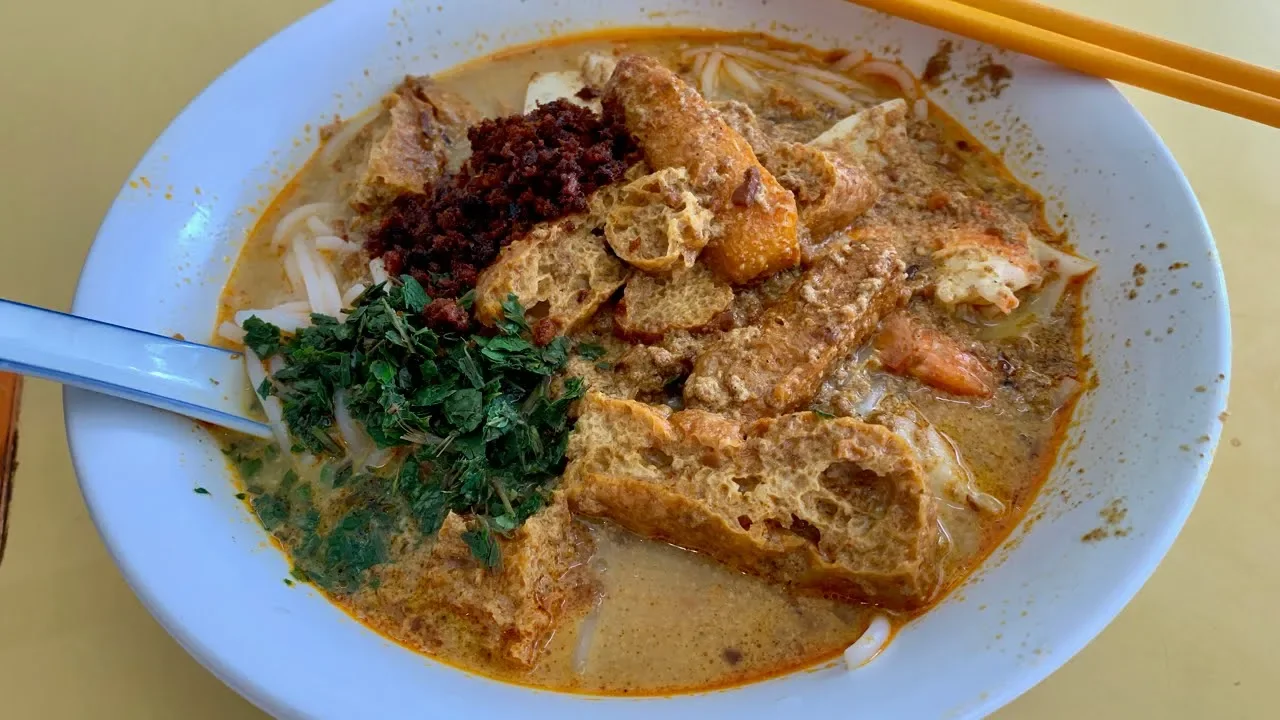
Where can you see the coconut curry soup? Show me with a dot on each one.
(651, 363)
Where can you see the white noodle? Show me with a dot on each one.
(232, 332)
(845, 63)
(826, 92)
(378, 271)
(350, 128)
(699, 62)
(378, 458)
(352, 293)
(298, 215)
(869, 402)
(270, 405)
(872, 641)
(359, 444)
(318, 226)
(333, 243)
(290, 322)
(710, 73)
(1059, 261)
(322, 287)
(890, 71)
(586, 636)
(780, 64)
(742, 76)
(294, 306)
(291, 271)
(921, 109)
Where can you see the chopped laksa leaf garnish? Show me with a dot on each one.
(478, 424)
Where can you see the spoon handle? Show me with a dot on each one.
(199, 381)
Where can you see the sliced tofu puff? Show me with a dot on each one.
(658, 225)
(561, 273)
(832, 189)
(690, 299)
(675, 127)
(655, 223)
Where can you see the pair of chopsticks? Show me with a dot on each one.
(1098, 48)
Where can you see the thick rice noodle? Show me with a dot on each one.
(271, 405)
(838, 99)
(699, 62)
(318, 279)
(890, 71)
(335, 244)
(292, 273)
(849, 60)
(742, 76)
(710, 73)
(352, 293)
(318, 226)
(869, 644)
(378, 271)
(298, 217)
(232, 332)
(359, 444)
(778, 63)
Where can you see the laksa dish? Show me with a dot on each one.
(644, 364)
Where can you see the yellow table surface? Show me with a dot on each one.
(85, 88)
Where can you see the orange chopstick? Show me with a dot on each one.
(10, 392)
(1137, 44)
(1086, 57)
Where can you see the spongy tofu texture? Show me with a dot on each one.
(833, 506)
(655, 223)
(675, 127)
(690, 299)
(509, 612)
(778, 364)
(421, 132)
(831, 189)
(560, 271)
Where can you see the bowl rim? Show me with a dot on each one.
(262, 694)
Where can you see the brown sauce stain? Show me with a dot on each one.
(989, 80)
(938, 65)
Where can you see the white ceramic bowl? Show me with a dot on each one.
(1143, 441)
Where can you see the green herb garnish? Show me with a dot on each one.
(415, 297)
(247, 462)
(261, 337)
(482, 433)
(591, 351)
(483, 545)
(201, 491)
